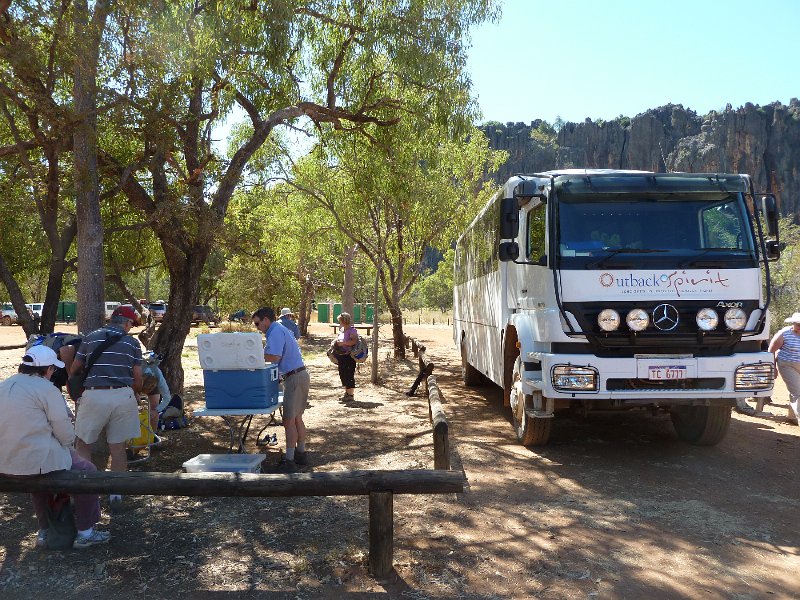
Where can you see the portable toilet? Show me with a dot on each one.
(67, 311)
(370, 313)
(337, 310)
(356, 313)
(323, 312)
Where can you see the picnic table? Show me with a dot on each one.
(367, 328)
(238, 421)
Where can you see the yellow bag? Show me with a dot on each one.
(146, 435)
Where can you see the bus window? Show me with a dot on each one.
(536, 231)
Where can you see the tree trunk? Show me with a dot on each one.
(397, 332)
(17, 299)
(91, 272)
(348, 288)
(184, 277)
(304, 310)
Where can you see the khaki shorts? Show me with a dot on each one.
(115, 409)
(295, 394)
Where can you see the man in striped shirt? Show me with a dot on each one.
(112, 386)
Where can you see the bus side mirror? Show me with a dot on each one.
(769, 208)
(508, 251)
(774, 248)
(509, 218)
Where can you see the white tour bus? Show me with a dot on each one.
(599, 289)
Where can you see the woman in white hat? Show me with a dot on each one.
(785, 345)
(36, 437)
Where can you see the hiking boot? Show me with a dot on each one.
(94, 538)
(347, 398)
(301, 457)
(41, 538)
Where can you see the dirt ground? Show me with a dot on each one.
(615, 507)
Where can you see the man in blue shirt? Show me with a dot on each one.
(282, 348)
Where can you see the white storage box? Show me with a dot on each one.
(230, 351)
(225, 463)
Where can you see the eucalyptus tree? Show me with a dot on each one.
(282, 250)
(37, 125)
(283, 64)
(171, 73)
(409, 189)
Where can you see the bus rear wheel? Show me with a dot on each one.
(701, 425)
(531, 431)
(470, 374)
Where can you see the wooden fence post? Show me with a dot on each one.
(381, 533)
(441, 438)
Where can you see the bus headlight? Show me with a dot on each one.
(707, 319)
(637, 319)
(759, 376)
(573, 378)
(735, 319)
(608, 320)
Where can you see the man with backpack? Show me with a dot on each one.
(112, 360)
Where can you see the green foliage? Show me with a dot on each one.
(415, 187)
(785, 283)
(544, 135)
(436, 289)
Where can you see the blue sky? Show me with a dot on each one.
(599, 59)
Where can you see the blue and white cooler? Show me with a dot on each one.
(234, 371)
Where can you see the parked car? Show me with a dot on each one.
(204, 314)
(238, 316)
(8, 316)
(158, 310)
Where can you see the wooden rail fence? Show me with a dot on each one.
(441, 439)
(380, 486)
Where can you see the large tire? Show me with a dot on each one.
(701, 425)
(6, 320)
(531, 431)
(470, 374)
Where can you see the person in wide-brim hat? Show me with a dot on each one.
(794, 319)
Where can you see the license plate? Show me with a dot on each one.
(667, 372)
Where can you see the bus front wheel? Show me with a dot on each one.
(531, 431)
(470, 374)
(701, 425)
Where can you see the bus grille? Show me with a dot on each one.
(703, 383)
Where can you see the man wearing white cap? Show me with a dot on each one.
(785, 345)
(36, 437)
(287, 321)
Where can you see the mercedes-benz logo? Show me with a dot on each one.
(665, 317)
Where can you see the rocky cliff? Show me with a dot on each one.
(763, 141)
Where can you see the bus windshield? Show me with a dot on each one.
(681, 230)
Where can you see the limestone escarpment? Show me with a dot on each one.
(763, 141)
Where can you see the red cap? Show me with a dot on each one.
(126, 311)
